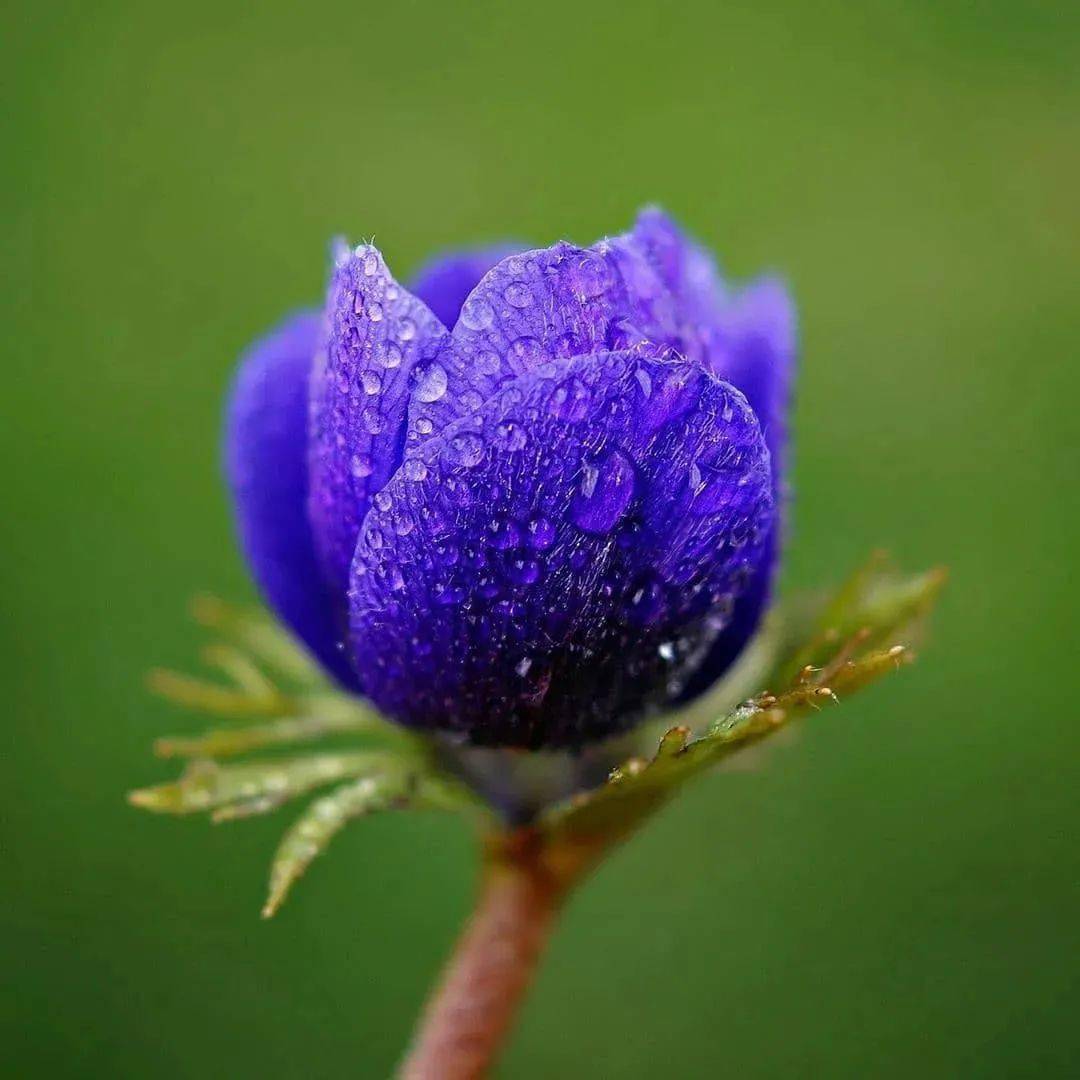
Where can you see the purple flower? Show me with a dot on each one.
(530, 500)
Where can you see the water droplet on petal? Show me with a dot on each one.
(524, 571)
(504, 534)
(591, 276)
(476, 313)
(511, 436)
(518, 294)
(370, 264)
(526, 352)
(415, 469)
(604, 493)
(572, 401)
(371, 382)
(647, 599)
(568, 344)
(432, 383)
(466, 450)
(488, 362)
(447, 552)
(375, 312)
(541, 533)
(361, 465)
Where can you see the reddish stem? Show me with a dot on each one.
(473, 1008)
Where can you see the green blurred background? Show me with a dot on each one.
(896, 893)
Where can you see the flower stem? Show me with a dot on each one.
(473, 1008)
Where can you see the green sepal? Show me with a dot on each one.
(813, 651)
(845, 641)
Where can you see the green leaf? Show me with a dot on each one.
(876, 606)
(253, 787)
(641, 785)
(812, 652)
(229, 701)
(330, 717)
(328, 815)
(256, 632)
(848, 640)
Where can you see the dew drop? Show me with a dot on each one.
(361, 465)
(518, 294)
(713, 487)
(466, 450)
(568, 344)
(524, 571)
(432, 384)
(646, 600)
(476, 313)
(375, 312)
(415, 469)
(391, 356)
(382, 500)
(572, 401)
(487, 362)
(372, 420)
(488, 587)
(511, 436)
(447, 553)
(526, 351)
(590, 277)
(504, 534)
(604, 493)
(371, 382)
(541, 533)
(370, 264)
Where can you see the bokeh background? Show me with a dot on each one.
(896, 893)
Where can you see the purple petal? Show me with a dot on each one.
(538, 307)
(444, 282)
(745, 619)
(553, 565)
(748, 338)
(377, 335)
(752, 344)
(266, 468)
